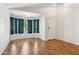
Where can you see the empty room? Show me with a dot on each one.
(39, 28)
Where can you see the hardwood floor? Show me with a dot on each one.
(40, 47)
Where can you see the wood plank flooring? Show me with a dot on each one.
(39, 47)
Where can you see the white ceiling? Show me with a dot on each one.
(33, 7)
(17, 5)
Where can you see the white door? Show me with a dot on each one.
(68, 27)
(51, 27)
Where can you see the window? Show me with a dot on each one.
(20, 25)
(11, 25)
(37, 25)
(33, 26)
(16, 25)
(29, 26)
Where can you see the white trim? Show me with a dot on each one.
(14, 26)
(17, 25)
(64, 40)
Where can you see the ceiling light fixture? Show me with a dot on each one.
(59, 4)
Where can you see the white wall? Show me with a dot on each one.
(4, 27)
(42, 27)
(72, 24)
(60, 23)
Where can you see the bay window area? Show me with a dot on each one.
(27, 27)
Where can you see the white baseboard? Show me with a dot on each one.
(76, 43)
(5, 45)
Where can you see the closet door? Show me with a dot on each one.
(20, 26)
(69, 26)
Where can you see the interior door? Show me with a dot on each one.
(68, 27)
(51, 27)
